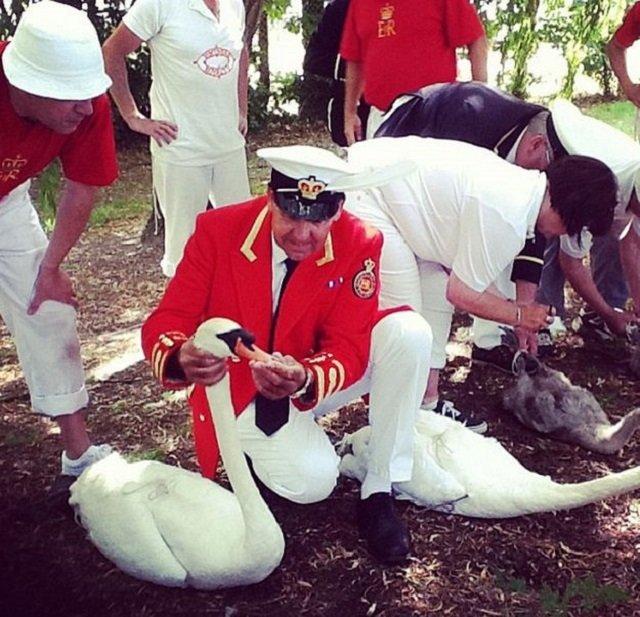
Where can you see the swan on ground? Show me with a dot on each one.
(549, 403)
(173, 527)
(461, 472)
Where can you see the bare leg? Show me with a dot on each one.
(431, 395)
(73, 433)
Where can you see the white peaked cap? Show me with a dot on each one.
(301, 162)
(581, 134)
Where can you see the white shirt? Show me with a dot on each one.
(464, 208)
(279, 270)
(194, 64)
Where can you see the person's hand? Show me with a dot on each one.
(279, 377)
(52, 284)
(535, 316)
(632, 92)
(618, 321)
(162, 131)
(200, 366)
(352, 128)
(243, 125)
(527, 340)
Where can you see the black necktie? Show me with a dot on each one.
(273, 414)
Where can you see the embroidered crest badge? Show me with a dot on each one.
(364, 282)
(310, 188)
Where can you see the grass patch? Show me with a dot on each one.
(153, 454)
(619, 114)
(118, 210)
(583, 593)
(23, 437)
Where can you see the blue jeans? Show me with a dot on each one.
(606, 270)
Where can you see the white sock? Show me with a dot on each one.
(429, 405)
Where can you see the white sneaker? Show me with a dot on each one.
(74, 467)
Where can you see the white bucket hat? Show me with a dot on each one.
(55, 53)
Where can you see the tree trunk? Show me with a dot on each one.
(263, 52)
(253, 10)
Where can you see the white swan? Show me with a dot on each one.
(173, 527)
(462, 472)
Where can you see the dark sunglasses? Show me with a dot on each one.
(323, 207)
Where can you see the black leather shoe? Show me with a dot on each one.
(386, 535)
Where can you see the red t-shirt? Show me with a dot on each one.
(88, 155)
(629, 32)
(404, 45)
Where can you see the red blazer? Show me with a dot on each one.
(326, 312)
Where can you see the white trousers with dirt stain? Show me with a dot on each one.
(47, 342)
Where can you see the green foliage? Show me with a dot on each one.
(512, 585)
(48, 191)
(23, 437)
(276, 9)
(580, 29)
(267, 103)
(584, 593)
(285, 88)
(154, 454)
(518, 39)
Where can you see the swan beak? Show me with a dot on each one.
(241, 343)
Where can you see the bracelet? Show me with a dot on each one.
(518, 316)
(302, 390)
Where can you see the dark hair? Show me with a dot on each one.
(584, 192)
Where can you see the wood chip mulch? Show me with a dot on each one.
(581, 562)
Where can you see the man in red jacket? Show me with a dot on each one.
(329, 342)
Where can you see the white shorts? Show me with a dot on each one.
(299, 462)
(47, 342)
(183, 192)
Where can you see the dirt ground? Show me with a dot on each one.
(580, 562)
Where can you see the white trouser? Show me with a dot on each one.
(374, 120)
(47, 342)
(298, 461)
(183, 192)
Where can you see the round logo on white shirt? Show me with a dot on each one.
(215, 62)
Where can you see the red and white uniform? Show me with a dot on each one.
(47, 342)
(326, 317)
